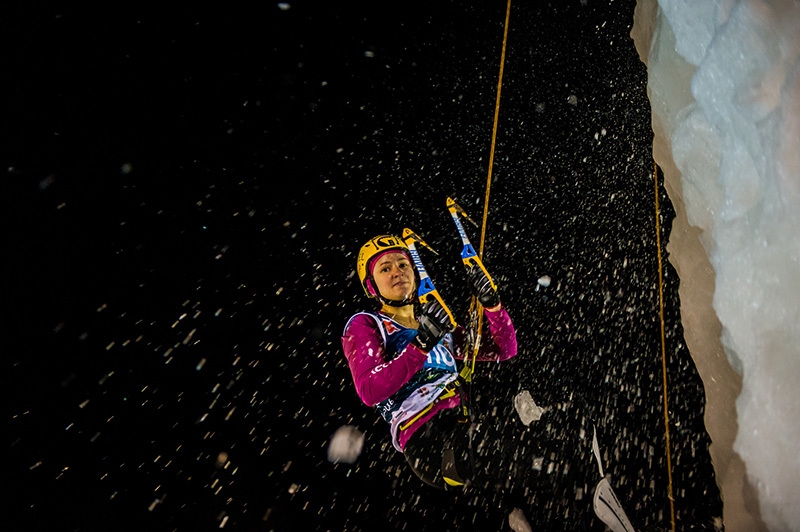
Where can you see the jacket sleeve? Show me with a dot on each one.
(501, 342)
(375, 378)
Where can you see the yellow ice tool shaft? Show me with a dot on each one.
(426, 288)
(468, 255)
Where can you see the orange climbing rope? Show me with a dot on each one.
(475, 306)
(494, 131)
(663, 352)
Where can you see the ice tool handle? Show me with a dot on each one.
(426, 288)
(468, 255)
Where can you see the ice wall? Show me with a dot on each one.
(724, 85)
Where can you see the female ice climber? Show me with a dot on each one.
(403, 359)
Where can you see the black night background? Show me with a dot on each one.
(184, 196)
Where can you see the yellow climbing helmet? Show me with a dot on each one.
(369, 252)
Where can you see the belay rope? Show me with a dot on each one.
(476, 320)
(663, 354)
(476, 314)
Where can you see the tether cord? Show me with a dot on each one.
(663, 352)
(475, 304)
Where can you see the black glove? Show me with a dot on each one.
(482, 287)
(434, 323)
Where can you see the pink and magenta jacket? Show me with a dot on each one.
(393, 375)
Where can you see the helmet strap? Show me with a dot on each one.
(394, 303)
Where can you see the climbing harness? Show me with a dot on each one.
(450, 390)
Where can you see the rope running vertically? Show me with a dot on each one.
(477, 306)
(475, 303)
(663, 353)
